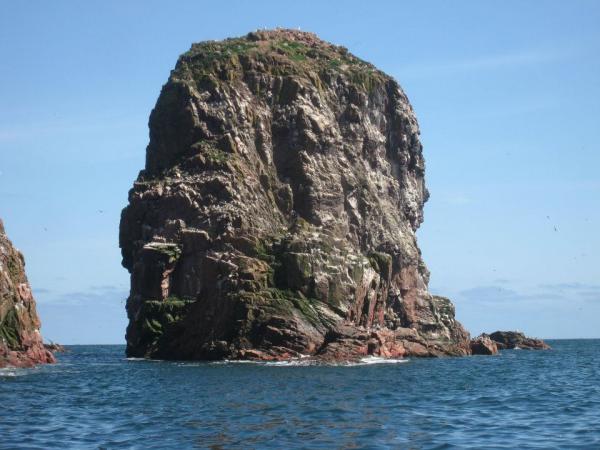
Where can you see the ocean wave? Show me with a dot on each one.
(10, 372)
(369, 360)
(134, 359)
(302, 360)
(292, 362)
(307, 360)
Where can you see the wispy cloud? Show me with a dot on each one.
(106, 288)
(563, 287)
(513, 60)
(455, 199)
(590, 293)
(591, 296)
(501, 294)
(28, 131)
(558, 292)
(37, 291)
(95, 294)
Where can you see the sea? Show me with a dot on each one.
(97, 398)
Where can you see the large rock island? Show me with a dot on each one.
(21, 343)
(277, 211)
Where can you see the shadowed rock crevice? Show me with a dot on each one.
(277, 211)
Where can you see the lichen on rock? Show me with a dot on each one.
(21, 343)
(283, 187)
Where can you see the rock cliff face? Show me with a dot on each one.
(277, 211)
(21, 343)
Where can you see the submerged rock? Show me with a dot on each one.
(21, 343)
(516, 339)
(277, 211)
(483, 345)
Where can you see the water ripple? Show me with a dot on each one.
(97, 398)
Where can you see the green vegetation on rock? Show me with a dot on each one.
(159, 315)
(289, 301)
(9, 329)
(14, 268)
(172, 251)
(280, 56)
(296, 51)
(381, 262)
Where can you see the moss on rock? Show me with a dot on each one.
(382, 263)
(9, 327)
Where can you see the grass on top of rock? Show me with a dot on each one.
(296, 51)
(212, 51)
(213, 60)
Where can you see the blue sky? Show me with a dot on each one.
(507, 95)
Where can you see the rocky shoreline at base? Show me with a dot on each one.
(490, 344)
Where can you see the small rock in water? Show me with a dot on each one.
(483, 345)
(517, 339)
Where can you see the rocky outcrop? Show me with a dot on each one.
(21, 343)
(483, 345)
(55, 347)
(277, 211)
(516, 339)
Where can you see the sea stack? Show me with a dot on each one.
(21, 343)
(277, 210)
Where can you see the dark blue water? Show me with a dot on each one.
(96, 398)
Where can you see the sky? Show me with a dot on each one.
(507, 95)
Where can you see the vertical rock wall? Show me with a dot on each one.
(277, 211)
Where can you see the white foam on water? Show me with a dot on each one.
(292, 362)
(144, 359)
(236, 361)
(370, 360)
(301, 361)
(10, 372)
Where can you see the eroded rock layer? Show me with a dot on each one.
(277, 211)
(21, 343)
